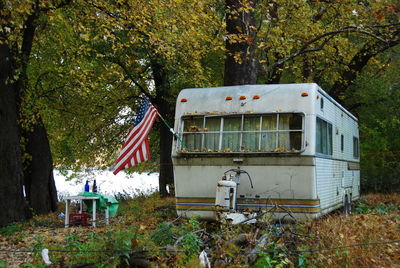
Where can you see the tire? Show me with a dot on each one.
(346, 205)
(350, 206)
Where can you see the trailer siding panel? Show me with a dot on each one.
(333, 175)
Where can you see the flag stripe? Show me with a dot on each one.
(139, 131)
(131, 148)
(147, 149)
(143, 151)
(134, 130)
(136, 147)
(131, 158)
(125, 158)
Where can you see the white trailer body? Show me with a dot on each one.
(300, 147)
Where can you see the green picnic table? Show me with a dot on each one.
(102, 203)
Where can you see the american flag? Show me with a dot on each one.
(136, 148)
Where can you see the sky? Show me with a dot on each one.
(107, 183)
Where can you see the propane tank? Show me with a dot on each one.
(225, 198)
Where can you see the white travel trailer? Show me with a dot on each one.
(288, 147)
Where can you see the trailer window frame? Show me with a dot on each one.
(356, 147)
(323, 143)
(285, 123)
(322, 103)
(342, 143)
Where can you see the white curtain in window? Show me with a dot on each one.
(211, 136)
(192, 139)
(268, 139)
(284, 137)
(231, 141)
(250, 140)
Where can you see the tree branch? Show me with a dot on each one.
(59, 5)
(360, 59)
(130, 76)
(326, 37)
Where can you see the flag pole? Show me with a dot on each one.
(172, 131)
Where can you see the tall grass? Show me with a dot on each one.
(149, 224)
(339, 230)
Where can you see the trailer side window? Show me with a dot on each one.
(244, 133)
(324, 137)
(342, 142)
(356, 152)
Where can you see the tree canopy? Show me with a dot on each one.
(97, 57)
(74, 70)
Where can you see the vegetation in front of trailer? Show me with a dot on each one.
(147, 232)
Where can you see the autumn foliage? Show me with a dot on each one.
(148, 231)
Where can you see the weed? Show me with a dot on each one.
(47, 222)
(384, 209)
(302, 262)
(381, 208)
(36, 265)
(37, 245)
(192, 225)
(10, 229)
(275, 257)
(83, 248)
(191, 244)
(123, 196)
(361, 208)
(164, 234)
(120, 242)
(185, 237)
(165, 212)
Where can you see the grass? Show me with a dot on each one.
(377, 219)
(10, 229)
(149, 226)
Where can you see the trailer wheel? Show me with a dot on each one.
(347, 205)
(350, 208)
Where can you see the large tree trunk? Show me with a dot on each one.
(39, 181)
(241, 65)
(12, 203)
(163, 90)
(166, 168)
